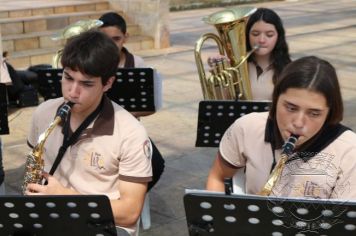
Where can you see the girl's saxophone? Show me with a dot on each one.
(34, 163)
(288, 148)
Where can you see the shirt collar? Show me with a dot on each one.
(104, 124)
(259, 70)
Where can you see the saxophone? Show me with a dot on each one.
(34, 163)
(287, 150)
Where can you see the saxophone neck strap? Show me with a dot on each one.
(309, 149)
(71, 139)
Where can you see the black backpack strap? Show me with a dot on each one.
(157, 166)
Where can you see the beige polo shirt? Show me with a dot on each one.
(115, 146)
(329, 174)
(261, 87)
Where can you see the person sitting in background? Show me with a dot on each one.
(114, 26)
(21, 82)
(265, 29)
(306, 103)
(16, 85)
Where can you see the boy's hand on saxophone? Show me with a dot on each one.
(53, 187)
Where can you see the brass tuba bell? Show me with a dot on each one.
(72, 30)
(227, 80)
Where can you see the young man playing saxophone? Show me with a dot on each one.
(112, 155)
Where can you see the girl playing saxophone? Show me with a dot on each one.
(307, 103)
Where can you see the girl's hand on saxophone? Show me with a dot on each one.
(52, 188)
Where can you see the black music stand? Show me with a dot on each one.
(56, 215)
(4, 125)
(135, 89)
(216, 116)
(215, 214)
(49, 82)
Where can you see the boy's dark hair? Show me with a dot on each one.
(280, 53)
(113, 19)
(92, 53)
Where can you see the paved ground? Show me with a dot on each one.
(323, 28)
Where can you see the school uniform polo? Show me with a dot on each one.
(131, 60)
(329, 174)
(114, 146)
(261, 85)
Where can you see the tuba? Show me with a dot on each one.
(34, 162)
(72, 30)
(227, 81)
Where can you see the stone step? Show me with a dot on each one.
(31, 24)
(14, 9)
(27, 28)
(43, 39)
(24, 58)
(35, 40)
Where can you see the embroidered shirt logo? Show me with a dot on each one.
(96, 160)
(147, 149)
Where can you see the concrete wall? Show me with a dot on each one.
(151, 15)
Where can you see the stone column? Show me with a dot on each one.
(151, 15)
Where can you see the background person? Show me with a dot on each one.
(114, 26)
(264, 28)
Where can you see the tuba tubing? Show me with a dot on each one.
(199, 62)
(232, 82)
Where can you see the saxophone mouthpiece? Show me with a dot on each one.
(256, 46)
(65, 109)
(289, 144)
(70, 104)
